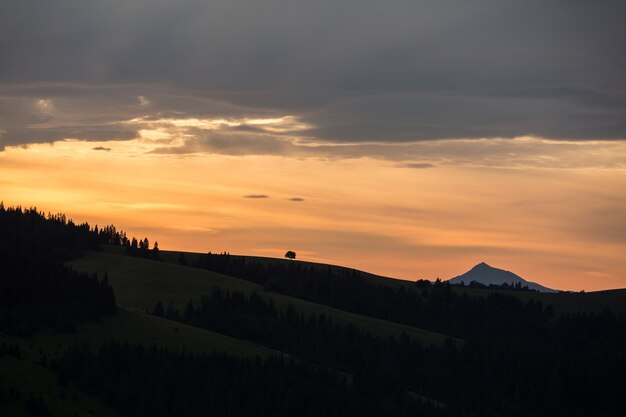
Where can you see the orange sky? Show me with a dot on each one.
(552, 212)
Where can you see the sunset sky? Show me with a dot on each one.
(411, 139)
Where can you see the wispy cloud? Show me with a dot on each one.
(296, 199)
(102, 148)
(256, 196)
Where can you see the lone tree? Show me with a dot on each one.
(290, 254)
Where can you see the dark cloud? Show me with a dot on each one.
(296, 199)
(415, 165)
(256, 196)
(358, 71)
(101, 148)
(75, 112)
(524, 152)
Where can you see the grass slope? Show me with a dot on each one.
(136, 328)
(140, 283)
(564, 302)
(173, 256)
(32, 379)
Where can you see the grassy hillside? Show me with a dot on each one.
(140, 283)
(562, 302)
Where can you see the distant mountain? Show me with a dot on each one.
(487, 275)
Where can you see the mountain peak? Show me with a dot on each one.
(488, 275)
(483, 267)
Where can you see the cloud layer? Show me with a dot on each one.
(353, 72)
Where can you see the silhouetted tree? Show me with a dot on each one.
(423, 283)
(36, 406)
(158, 310)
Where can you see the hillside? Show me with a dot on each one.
(94, 323)
(140, 283)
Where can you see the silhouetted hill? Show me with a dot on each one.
(488, 275)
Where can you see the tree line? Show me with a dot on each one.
(36, 290)
(504, 286)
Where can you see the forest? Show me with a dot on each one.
(511, 369)
(154, 382)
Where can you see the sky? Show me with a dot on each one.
(411, 139)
